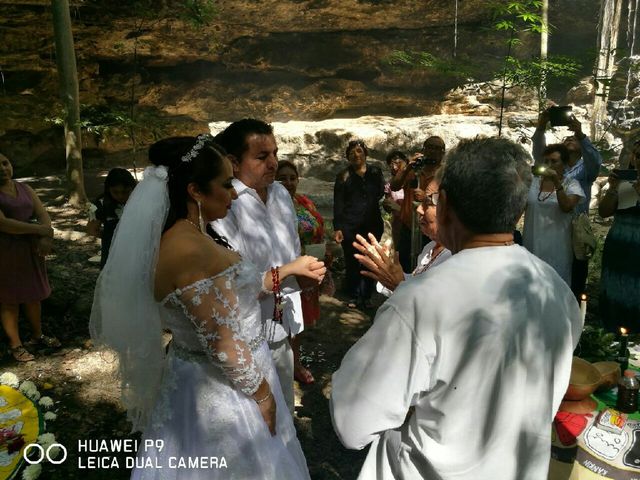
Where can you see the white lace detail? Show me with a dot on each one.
(211, 305)
(163, 411)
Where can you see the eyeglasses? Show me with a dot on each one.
(432, 199)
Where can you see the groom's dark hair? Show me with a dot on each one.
(234, 138)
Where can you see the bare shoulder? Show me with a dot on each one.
(187, 256)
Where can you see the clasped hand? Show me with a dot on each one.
(383, 265)
(309, 270)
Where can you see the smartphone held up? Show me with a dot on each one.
(559, 116)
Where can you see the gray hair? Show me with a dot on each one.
(487, 181)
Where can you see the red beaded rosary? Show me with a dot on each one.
(277, 295)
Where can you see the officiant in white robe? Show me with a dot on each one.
(465, 366)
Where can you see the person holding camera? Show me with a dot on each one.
(413, 180)
(583, 166)
(620, 277)
(392, 204)
(552, 198)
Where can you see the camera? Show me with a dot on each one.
(422, 162)
(626, 175)
(559, 116)
(538, 169)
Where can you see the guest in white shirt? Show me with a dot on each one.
(262, 227)
(464, 367)
(386, 268)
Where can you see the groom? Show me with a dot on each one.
(262, 226)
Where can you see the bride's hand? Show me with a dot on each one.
(268, 412)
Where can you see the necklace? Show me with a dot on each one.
(543, 198)
(424, 268)
(492, 240)
(197, 227)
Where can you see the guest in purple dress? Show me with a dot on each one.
(23, 245)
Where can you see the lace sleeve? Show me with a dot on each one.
(212, 306)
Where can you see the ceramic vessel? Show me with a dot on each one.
(610, 372)
(585, 379)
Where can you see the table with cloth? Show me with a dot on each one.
(581, 451)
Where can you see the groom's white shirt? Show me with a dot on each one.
(267, 235)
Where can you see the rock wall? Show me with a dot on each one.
(281, 60)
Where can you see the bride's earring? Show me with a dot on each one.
(200, 219)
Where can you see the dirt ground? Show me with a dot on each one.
(86, 391)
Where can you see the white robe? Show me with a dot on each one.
(481, 347)
(547, 229)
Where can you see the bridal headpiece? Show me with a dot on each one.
(201, 140)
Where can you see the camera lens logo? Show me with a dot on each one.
(44, 454)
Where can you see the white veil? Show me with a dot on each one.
(125, 316)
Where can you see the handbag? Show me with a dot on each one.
(583, 239)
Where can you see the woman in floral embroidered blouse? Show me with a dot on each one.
(311, 231)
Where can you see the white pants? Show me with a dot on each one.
(283, 360)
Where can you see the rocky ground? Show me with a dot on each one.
(81, 379)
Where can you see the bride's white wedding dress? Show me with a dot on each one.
(218, 356)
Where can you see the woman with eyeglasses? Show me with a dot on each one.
(551, 203)
(385, 267)
(356, 211)
(620, 278)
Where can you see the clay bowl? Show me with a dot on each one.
(585, 379)
(610, 372)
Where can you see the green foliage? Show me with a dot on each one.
(198, 12)
(519, 16)
(530, 73)
(103, 121)
(413, 59)
(596, 344)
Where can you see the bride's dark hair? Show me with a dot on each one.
(205, 165)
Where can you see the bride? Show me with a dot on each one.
(212, 402)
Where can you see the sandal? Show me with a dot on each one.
(303, 376)
(20, 354)
(44, 341)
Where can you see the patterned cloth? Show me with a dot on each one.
(24, 276)
(310, 223)
(311, 231)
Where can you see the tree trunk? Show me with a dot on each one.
(67, 72)
(544, 50)
(608, 27)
